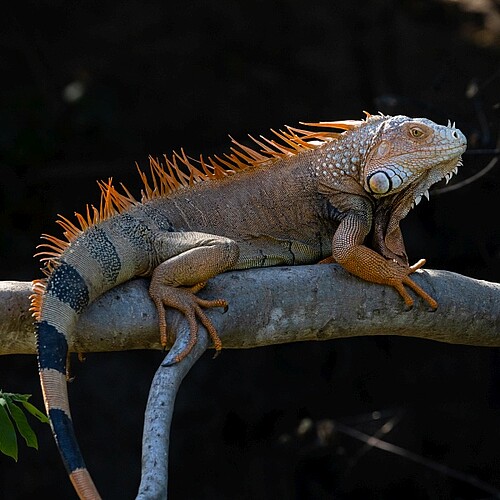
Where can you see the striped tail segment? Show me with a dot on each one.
(109, 248)
(65, 295)
(74, 278)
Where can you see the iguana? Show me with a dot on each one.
(309, 195)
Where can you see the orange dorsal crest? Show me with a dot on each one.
(176, 172)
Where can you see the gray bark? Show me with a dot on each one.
(159, 413)
(273, 306)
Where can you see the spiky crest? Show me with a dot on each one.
(177, 172)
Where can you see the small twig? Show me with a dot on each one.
(473, 93)
(414, 457)
(468, 180)
(478, 175)
(486, 152)
(384, 429)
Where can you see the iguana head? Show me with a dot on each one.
(412, 152)
(405, 158)
(393, 161)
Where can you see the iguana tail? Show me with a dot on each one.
(65, 294)
(97, 256)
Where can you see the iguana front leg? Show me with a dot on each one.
(349, 251)
(191, 259)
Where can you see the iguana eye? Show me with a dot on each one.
(416, 132)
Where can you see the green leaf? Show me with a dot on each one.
(19, 397)
(35, 411)
(22, 425)
(23, 399)
(8, 439)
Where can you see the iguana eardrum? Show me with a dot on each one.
(304, 197)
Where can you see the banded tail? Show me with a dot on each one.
(98, 259)
(62, 303)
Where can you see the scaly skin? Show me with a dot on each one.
(310, 197)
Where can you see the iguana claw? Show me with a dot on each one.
(406, 280)
(185, 301)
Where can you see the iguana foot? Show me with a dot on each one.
(185, 301)
(400, 277)
(371, 266)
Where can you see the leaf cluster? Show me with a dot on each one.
(12, 417)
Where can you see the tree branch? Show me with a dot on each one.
(275, 305)
(158, 418)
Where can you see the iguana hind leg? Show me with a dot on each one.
(175, 282)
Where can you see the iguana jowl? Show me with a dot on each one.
(306, 197)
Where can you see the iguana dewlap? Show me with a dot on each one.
(301, 198)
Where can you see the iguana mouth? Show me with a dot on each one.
(447, 177)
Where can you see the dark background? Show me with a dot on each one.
(89, 88)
